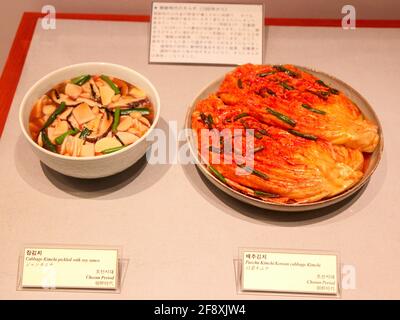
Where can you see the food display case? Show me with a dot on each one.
(179, 233)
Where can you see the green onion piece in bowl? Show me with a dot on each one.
(287, 71)
(240, 115)
(216, 173)
(254, 171)
(322, 83)
(110, 83)
(117, 115)
(264, 74)
(306, 106)
(265, 194)
(85, 132)
(258, 149)
(207, 120)
(111, 150)
(54, 115)
(286, 86)
(282, 117)
(303, 135)
(60, 139)
(333, 91)
(81, 79)
(47, 144)
(258, 135)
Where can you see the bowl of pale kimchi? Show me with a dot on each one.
(90, 120)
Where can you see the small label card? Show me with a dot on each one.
(69, 268)
(206, 33)
(288, 272)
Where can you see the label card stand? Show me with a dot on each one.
(32, 265)
(332, 277)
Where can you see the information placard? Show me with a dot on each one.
(69, 268)
(228, 34)
(290, 272)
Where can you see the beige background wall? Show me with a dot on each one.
(11, 11)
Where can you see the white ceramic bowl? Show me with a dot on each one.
(89, 167)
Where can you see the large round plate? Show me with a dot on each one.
(356, 97)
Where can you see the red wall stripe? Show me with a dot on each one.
(13, 66)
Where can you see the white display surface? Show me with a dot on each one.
(206, 33)
(180, 233)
